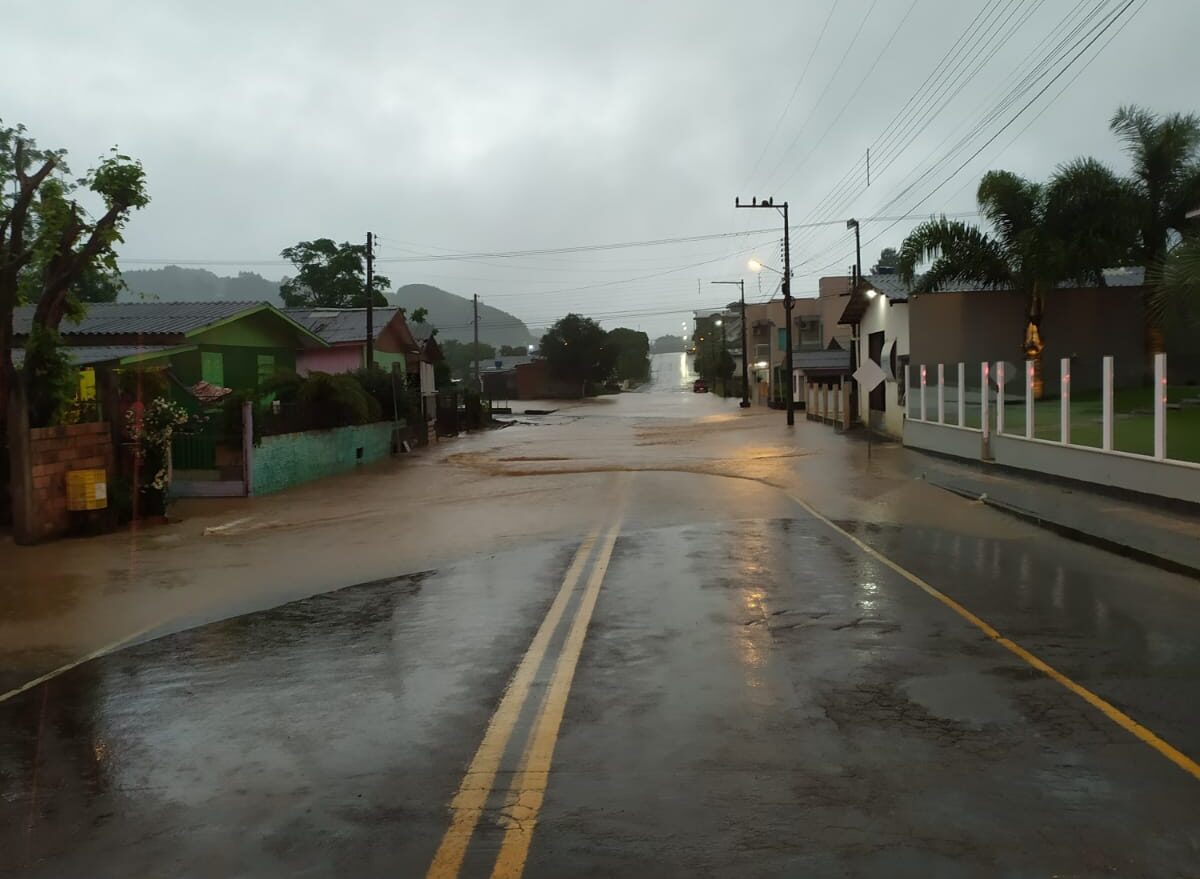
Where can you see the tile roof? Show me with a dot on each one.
(123, 318)
(339, 326)
(836, 358)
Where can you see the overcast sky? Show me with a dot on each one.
(490, 126)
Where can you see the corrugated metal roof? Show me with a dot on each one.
(92, 354)
(502, 364)
(151, 318)
(339, 326)
(828, 359)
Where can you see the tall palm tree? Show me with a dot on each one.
(1165, 152)
(1069, 229)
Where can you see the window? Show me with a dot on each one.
(762, 352)
(782, 346)
(808, 333)
(212, 368)
(266, 367)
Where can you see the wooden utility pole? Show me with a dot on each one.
(475, 323)
(370, 300)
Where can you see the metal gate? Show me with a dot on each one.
(448, 421)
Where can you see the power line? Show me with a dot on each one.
(792, 97)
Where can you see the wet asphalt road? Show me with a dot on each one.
(755, 696)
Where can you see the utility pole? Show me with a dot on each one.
(370, 300)
(745, 404)
(787, 294)
(475, 322)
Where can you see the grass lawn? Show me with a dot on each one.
(1133, 430)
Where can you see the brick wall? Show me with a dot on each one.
(53, 451)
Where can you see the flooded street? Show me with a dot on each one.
(647, 634)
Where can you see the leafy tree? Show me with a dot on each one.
(1165, 152)
(51, 250)
(513, 350)
(1067, 230)
(633, 353)
(461, 356)
(98, 284)
(889, 261)
(668, 345)
(329, 275)
(576, 350)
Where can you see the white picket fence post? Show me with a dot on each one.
(1064, 408)
(962, 394)
(1160, 406)
(1107, 417)
(1028, 399)
(984, 414)
(941, 393)
(999, 396)
(922, 391)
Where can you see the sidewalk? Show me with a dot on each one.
(1166, 534)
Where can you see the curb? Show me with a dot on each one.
(1072, 533)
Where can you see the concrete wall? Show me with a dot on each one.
(893, 320)
(960, 442)
(295, 458)
(53, 452)
(834, 294)
(1172, 479)
(1086, 323)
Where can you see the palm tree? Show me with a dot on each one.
(1069, 229)
(1165, 152)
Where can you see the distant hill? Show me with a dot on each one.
(451, 314)
(179, 284)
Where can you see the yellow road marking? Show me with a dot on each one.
(88, 657)
(1120, 718)
(529, 788)
(477, 784)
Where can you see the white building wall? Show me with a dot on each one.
(892, 319)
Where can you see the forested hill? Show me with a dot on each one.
(179, 284)
(451, 314)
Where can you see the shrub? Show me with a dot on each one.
(335, 401)
(377, 384)
(283, 386)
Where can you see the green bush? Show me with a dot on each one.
(378, 385)
(336, 401)
(283, 386)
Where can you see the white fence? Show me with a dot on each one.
(973, 416)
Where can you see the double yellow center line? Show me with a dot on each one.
(525, 795)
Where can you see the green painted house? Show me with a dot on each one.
(235, 345)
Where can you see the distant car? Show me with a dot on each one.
(699, 386)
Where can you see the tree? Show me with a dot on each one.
(632, 354)
(461, 356)
(576, 349)
(513, 350)
(1165, 152)
(1044, 234)
(668, 345)
(329, 275)
(51, 250)
(889, 260)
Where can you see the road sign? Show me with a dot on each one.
(869, 376)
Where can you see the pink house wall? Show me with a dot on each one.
(339, 358)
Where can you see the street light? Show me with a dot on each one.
(787, 291)
(756, 266)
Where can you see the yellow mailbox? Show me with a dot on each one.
(87, 490)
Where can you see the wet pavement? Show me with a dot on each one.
(755, 694)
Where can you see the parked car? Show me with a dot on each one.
(699, 386)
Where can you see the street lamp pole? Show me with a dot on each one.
(787, 294)
(745, 404)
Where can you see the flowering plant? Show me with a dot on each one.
(152, 430)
